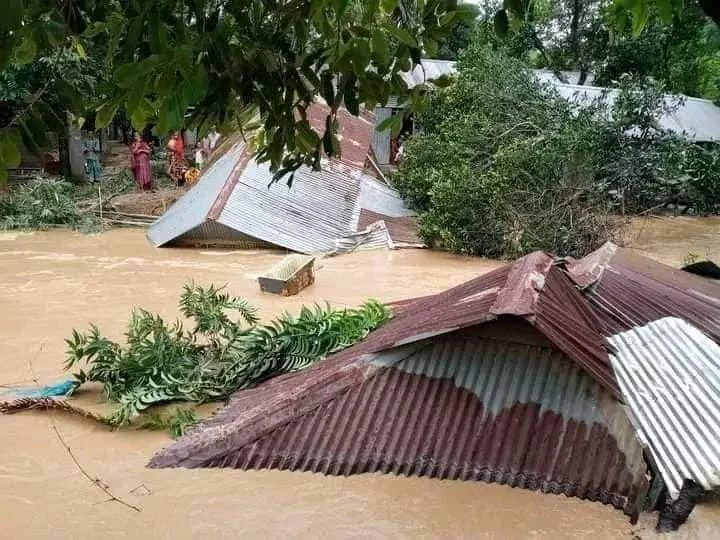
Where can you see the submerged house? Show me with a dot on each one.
(338, 209)
(597, 378)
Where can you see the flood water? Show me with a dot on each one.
(52, 282)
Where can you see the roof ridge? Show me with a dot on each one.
(519, 295)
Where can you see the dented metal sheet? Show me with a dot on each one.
(460, 407)
(627, 291)
(669, 373)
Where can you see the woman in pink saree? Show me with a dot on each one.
(140, 163)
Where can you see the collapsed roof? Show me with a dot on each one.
(236, 203)
(518, 376)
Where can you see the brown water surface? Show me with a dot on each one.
(53, 282)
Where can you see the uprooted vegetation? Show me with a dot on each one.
(163, 362)
(505, 166)
(44, 203)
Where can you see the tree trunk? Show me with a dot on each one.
(64, 152)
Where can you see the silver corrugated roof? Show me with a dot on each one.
(669, 373)
(191, 210)
(697, 119)
(235, 202)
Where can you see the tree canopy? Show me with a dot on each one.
(237, 64)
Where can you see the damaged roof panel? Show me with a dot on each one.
(318, 213)
(463, 407)
(669, 373)
(627, 290)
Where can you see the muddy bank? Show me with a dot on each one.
(53, 282)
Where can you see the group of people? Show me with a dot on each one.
(141, 151)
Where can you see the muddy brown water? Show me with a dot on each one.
(53, 282)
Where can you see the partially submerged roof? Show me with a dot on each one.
(627, 291)
(664, 328)
(235, 202)
(504, 378)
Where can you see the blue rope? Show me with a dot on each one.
(50, 390)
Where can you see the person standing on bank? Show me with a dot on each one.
(176, 157)
(140, 163)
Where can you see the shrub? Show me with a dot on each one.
(39, 204)
(504, 166)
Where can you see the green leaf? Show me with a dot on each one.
(9, 151)
(26, 52)
(171, 116)
(641, 14)
(3, 173)
(105, 114)
(126, 75)
(136, 96)
(389, 5)
(308, 139)
(12, 15)
(443, 81)
(51, 117)
(380, 47)
(80, 50)
(394, 123)
(431, 47)
(501, 23)
(665, 9)
(95, 29)
(402, 35)
(327, 91)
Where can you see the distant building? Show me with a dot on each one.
(696, 119)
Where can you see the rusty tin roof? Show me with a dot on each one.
(504, 379)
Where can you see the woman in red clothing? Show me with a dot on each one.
(177, 166)
(140, 163)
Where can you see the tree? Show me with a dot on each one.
(254, 64)
(459, 38)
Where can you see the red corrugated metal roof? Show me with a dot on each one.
(462, 407)
(355, 132)
(532, 288)
(627, 290)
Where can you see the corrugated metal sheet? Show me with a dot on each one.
(626, 291)
(697, 119)
(462, 407)
(532, 288)
(192, 208)
(213, 234)
(402, 230)
(381, 139)
(236, 203)
(380, 198)
(669, 372)
(307, 217)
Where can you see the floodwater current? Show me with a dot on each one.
(52, 282)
